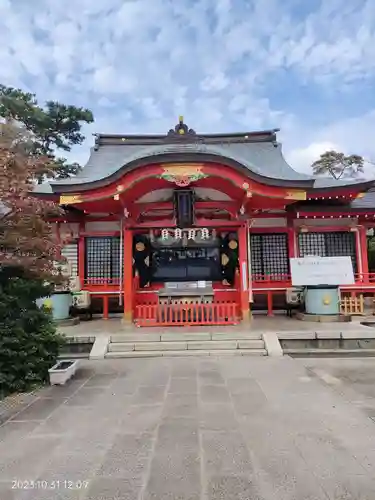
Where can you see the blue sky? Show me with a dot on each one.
(305, 66)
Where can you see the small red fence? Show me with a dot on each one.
(216, 313)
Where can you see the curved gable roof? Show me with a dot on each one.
(257, 155)
(263, 160)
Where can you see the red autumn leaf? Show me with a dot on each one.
(27, 239)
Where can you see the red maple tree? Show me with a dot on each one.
(27, 238)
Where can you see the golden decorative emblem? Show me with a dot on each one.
(183, 174)
(224, 259)
(327, 300)
(295, 195)
(140, 246)
(69, 199)
(246, 186)
(233, 244)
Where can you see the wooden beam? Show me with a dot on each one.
(231, 207)
(325, 214)
(168, 223)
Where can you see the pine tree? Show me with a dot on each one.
(53, 127)
(338, 166)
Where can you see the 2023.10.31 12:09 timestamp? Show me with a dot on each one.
(40, 484)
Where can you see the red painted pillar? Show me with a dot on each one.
(269, 303)
(364, 254)
(244, 274)
(128, 277)
(358, 253)
(292, 243)
(105, 306)
(81, 254)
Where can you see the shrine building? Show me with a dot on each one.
(191, 229)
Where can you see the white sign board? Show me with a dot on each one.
(322, 271)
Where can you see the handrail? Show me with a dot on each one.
(360, 278)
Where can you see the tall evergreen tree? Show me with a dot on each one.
(53, 127)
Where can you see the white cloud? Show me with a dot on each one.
(351, 136)
(140, 63)
(303, 158)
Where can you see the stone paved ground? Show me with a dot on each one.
(197, 428)
(279, 323)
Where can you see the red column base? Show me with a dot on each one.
(105, 307)
(269, 304)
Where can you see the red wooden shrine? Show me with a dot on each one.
(255, 208)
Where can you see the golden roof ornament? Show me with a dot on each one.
(181, 129)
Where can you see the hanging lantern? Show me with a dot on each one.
(178, 234)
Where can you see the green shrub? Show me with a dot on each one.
(29, 344)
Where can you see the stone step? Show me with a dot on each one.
(327, 334)
(135, 337)
(209, 345)
(146, 346)
(155, 354)
(182, 336)
(328, 352)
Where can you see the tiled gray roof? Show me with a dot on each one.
(264, 159)
(367, 202)
(329, 182)
(44, 188)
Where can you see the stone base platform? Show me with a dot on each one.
(67, 322)
(323, 318)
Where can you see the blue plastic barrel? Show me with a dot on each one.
(322, 299)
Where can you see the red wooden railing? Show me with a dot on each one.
(364, 277)
(148, 312)
(102, 282)
(256, 279)
(359, 278)
(270, 278)
(216, 313)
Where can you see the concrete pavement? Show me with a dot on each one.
(193, 428)
(260, 324)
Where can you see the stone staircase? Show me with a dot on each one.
(139, 345)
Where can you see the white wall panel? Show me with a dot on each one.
(70, 252)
